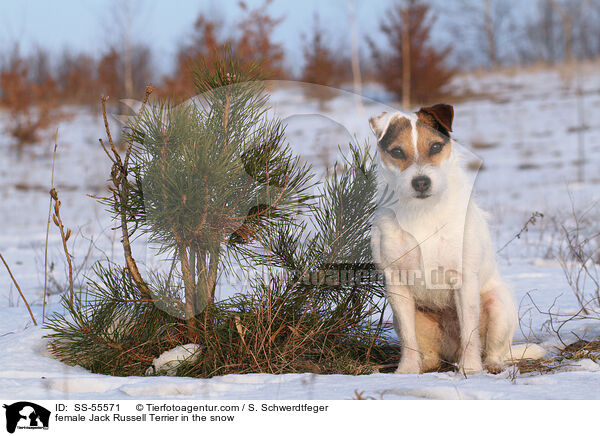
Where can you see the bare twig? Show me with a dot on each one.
(557, 321)
(48, 230)
(121, 193)
(149, 90)
(18, 288)
(107, 127)
(580, 257)
(65, 237)
(531, 221)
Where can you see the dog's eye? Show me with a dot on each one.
(397, 153)
(435, 148)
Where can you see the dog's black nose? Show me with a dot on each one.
(421, 183)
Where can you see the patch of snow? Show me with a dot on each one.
(583, 365)
(169, 361)
(528, 165)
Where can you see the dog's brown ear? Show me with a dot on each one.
(438, 116)
(378, 124)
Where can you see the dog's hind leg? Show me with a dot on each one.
(498, 324)
(438, 336)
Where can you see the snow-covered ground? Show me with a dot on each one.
(525, 127)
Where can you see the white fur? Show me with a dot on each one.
(526, 351)
(446, 231)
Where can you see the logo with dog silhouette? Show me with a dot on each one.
(26, 415)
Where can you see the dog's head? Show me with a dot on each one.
(415, 151)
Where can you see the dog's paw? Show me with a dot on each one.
(409, 367)
(470, 367)
(494, 367)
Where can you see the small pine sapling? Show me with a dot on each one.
(213, 185)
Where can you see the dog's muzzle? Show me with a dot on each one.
(421, 185)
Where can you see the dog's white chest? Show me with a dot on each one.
(440, 249)
(426, 256)
(440, 245)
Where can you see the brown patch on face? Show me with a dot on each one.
(397, 135)
(427, 138)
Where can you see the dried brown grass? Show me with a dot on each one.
(578, 350)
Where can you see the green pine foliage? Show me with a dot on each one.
(211, 174)
(111, 328)
(213, 184)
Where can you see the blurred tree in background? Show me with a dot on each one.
(413, 67)
(30, 98)
(251, 43)
(412, 59)
(321, 65)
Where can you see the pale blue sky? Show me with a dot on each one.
(87, 25)
(84, 25)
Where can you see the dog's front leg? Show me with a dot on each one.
(403, 306)
(467, 300)
(395, 250)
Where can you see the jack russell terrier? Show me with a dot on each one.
(433, 244)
